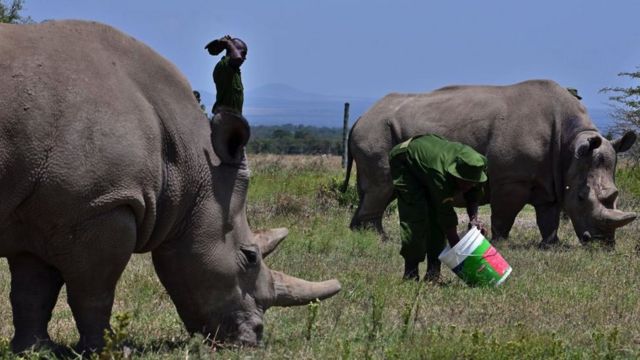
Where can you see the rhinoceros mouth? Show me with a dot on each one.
(607, 238)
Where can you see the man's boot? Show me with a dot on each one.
(433, 271)
(411, 270)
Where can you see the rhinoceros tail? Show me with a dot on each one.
(345, 185)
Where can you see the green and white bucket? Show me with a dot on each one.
(476, 261)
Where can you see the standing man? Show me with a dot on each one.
(427, 172)
(226, 74)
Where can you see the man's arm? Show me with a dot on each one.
(452, 236)
(471, 199)
(472, 212)
(233, 53)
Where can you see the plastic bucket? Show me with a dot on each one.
(476, 261)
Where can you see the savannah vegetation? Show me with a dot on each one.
(625, 106)
(295, 140)
(568, 302)
(10, 12)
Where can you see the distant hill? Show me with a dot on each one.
(279, 104)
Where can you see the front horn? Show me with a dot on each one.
(291, 291)
(613, 218)
(268, 240)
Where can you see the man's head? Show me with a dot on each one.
(196, 93)
(468, 169)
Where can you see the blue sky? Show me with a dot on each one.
(367, 48)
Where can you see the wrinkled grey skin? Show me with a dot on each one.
(541, 146)
(104, 152)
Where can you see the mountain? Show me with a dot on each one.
(278, 104)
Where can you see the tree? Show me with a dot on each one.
(626, 103)
(11, 13)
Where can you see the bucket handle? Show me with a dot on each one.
(475, 255)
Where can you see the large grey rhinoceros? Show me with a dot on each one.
(542, 149)
(104, 152)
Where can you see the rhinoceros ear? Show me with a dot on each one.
(268, 240)
(586, 144)
(229, 134)
(625, 142)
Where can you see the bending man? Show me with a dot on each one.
(428, 171)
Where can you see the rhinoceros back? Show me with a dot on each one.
(88, 118)
(511, 125)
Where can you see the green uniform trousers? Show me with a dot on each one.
(420, 232)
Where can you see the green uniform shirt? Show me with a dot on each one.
(230, 92)
(430, 156)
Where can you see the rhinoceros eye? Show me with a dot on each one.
(250, 255)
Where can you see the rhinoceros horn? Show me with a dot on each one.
(291, 291)
(613, 218)
(268, 240)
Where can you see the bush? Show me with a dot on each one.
(628, 180)
(332, 191)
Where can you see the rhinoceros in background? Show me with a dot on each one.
(104, 152)
(541, 146)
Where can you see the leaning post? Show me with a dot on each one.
(345, 133)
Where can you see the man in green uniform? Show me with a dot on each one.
(428, 171)
(226, 74)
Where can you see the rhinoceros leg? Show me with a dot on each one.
(35, 286)
(548, 219)
(375, 195)
(371, 209)
(506, 202)
(103, 246)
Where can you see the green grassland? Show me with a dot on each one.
(568, 302)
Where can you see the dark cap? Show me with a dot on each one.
(469, 166)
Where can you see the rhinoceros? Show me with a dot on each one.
(104, 152)
(542, 149)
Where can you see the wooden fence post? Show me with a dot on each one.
(345, 134)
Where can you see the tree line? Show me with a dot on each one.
(295, 139)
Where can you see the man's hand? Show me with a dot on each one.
(477, 223)
(472, 212)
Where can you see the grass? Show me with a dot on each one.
(568, 302)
